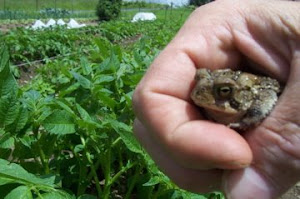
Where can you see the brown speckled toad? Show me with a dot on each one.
(235, 98)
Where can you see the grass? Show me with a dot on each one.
(36, 5)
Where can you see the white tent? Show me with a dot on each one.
(60, 22)
(51, 22)
(38, 25)
(143, 16)
(74, 24)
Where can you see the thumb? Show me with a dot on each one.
(247, 183)
(276, 148)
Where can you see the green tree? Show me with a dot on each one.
(199, 2)
(108, 9)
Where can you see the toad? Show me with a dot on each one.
(235, 98)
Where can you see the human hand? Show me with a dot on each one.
(203, 156)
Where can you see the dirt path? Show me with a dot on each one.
(293, 193)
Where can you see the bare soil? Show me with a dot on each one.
(293, 193)
(8, 26)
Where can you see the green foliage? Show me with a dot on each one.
(199, 2)
(28, 45)
(27, 183)
(67, 133)
(108, 9)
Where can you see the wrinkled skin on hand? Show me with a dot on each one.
(200, 155)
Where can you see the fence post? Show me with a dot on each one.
(73, 7)
(37, 5)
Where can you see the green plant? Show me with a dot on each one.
(68, 131)
(108, 9)
(199, 2)
(15, 181)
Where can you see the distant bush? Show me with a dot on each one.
(108, 9)
(199, 2)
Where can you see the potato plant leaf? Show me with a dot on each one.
(126, 134)
(4, 57)
(103, 46)
(21, 192)
(85, 120)
(9, 109)
(63, 104)
(57, 195)
(60, 122)
(110, 64)
(45, 112)
(69, 90)
(84, 82)
(86, 196)
(14, 173)
(85, 65)
(153, 181)
(8, 84)
(100, 79)
(83, 113)
(6, 141)
(20, 121)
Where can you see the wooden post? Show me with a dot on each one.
(37, 5)
(72, 6)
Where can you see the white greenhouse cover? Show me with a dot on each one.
(74, 24)
(51, 22)
(38, 24)
(60, 22)
(143, 16)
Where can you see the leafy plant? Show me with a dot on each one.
(199, 2)
(108, 9)
(16, 182)
(54, 13)
(67, 133)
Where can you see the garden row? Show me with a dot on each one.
(67, 131)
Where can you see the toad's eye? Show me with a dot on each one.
(223, 92)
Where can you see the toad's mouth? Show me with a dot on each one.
(222, 116)
(221, 107)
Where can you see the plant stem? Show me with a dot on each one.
(132, 184)
(43, 158)
(96, 165)
(106, 190)
(123, 170)
(88, 156)
(116, 142)
(81, 187)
